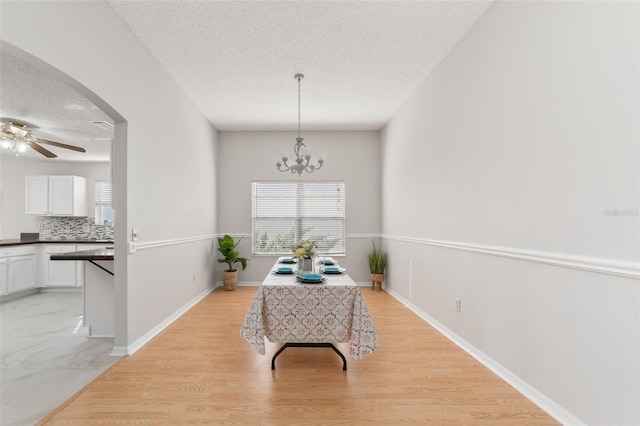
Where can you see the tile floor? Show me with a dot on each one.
(45, 355)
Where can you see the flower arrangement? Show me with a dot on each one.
(304, 249)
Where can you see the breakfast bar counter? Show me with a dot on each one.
(98, 290)
(98, 254)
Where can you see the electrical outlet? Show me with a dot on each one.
(458, 306)
(194, 278)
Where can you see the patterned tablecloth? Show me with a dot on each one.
(333, 312)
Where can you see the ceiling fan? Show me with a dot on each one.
(17, 137)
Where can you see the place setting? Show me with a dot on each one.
(306, 265)
(311, 278)
(333, 269)
(284, 270)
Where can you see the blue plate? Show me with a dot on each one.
(287, 260)
(326, 262)
(332, 270)
(311, 277)
(284, 270)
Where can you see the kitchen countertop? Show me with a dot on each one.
(18, 242)
(98, 254)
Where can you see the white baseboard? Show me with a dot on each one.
(60, 289)
(132, 348)
(531, 393)
(19, 294)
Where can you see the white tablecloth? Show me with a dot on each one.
(284, 310)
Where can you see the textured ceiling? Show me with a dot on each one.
(361, 59)
(53, 111)
(236, 61)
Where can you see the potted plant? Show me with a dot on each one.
(377, 265)
(227, 247)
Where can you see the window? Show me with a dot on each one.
(104, 212)
(286, 212)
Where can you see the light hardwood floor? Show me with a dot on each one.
(201, 371)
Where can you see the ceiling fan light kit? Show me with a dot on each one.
(303, 155)
(17, 138)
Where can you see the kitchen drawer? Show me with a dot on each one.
(17, 251)
(60, 248)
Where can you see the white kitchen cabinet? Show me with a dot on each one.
(22, 273)
(56, 195)
(4, 276)
(17, 269)
(61, 273)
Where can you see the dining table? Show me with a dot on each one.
(310, 314)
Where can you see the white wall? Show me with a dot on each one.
(164, 172)
(12, 190)
(351, 156)
(507, 163)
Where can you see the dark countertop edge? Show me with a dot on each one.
(98, 254)
(18, 242)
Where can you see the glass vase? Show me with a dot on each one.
(306, 266)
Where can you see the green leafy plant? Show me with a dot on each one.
(377, 259)
(227, 247)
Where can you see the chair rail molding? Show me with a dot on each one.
(619, 268)
(173, 241)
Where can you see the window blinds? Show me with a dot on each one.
(286, 212)
(103, 192)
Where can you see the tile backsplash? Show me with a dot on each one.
(74, 228)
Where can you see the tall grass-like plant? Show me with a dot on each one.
(377, 259)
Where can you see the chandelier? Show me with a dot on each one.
(302, 159)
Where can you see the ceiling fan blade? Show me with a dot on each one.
(61, 145)
(41, 150)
